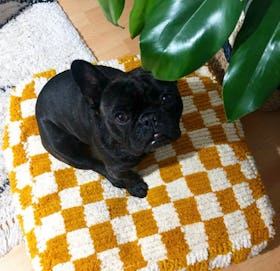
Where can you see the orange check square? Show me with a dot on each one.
(176, 246)
(117, 207)
(29, 91)
(187, 211)
(170, 169)
(65, 178)
(91, 192)
(103, 236)
(157, 196)
(51, 252)
(40, 164)
(193, 121)
(198, 183)
(145, 223)
(19, 155)
(202, 101)
(217, 234)
(210, 158)
(234, 174)
(183, 145)
(227, 201)
(29, 126)
(74, 218)
(131, 253)
(91, 263)
(218, 134)
(46, 206)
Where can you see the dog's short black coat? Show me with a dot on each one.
(100, 118)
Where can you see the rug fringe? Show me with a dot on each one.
(10, 232)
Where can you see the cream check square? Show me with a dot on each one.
(47, 181)
(39, 83)
(196, 237)
(220, 261)
(182, 128)
(111, 191)
(209, 117)
(248, 168)
(178, 189)
(227, 155)
(110, 260)
(255, 250)
(230, 132)
(80, 244)
(28, 107)
(96, 213)
(86, 176)
(70, 197)
(166, 217)
(239, 128)
(215, 98)
(201, 138)
(28, 219)
(237, 229)
(190, 163)
(151, 176)
(14, 133)
(23, 174)
(37, 147)
(52, 226)
(56, 164)
(243, 194)
(164, 152)
(208, 206)
(36, 263)
(9, 158)
(135, 205)
(152, 248)
(64, 267)
(205, 72)
(196, 85)
(218, 179)
(124, 229)
(197, 256)
(267, 213)
(188, 105)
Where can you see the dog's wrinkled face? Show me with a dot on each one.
(140, 112)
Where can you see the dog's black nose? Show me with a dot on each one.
(149, 119)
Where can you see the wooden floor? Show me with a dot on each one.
(262, 128)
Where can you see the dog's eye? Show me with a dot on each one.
(167, 98)
(121, 117)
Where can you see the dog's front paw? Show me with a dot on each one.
(138, 190)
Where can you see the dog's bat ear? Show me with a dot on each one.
(92, 79)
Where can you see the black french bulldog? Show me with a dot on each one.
(100, 118)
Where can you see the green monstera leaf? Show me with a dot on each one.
(254, 72)
(137, 17)
(180, 36)
(112, 9)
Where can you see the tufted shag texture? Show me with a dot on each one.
(206, 207)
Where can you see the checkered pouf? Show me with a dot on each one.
(206, 207)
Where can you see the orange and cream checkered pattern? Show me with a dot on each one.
(206, 207)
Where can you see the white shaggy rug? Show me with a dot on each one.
(39, 38)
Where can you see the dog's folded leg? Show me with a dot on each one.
(67, 148)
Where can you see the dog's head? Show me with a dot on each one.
(140, 112)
